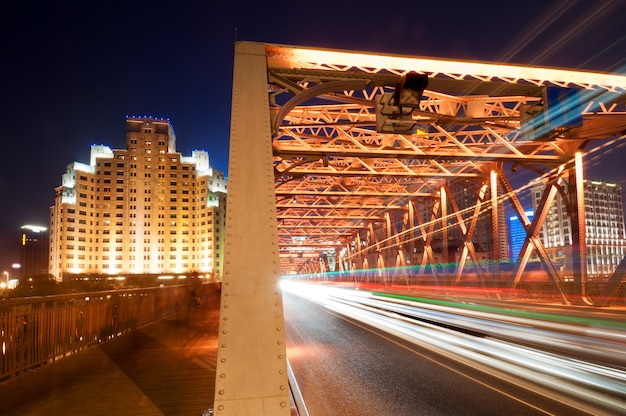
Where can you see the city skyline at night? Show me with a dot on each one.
(73, 79)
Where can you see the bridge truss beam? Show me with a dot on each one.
(330, 172)
(331, 144)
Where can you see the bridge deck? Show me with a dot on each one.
(164, 368)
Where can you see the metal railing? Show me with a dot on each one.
(39, 330)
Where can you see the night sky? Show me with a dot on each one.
(72, 71)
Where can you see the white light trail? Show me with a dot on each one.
(597, 389)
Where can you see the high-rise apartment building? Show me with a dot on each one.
(143, 210)
(34, 246)
(604, 229)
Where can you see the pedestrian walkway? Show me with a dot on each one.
(164, 368)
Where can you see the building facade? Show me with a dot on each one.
(34, 246)
(604, 229)
(143, 210)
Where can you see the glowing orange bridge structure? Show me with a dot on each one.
(350, 162)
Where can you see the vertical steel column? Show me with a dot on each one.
(411, 238)
(579, 237)
(388, 249)
(339, 265)
(495, 227)
(359, 259)
(400, 237)
(350, 261)
(251, 374)
(374, 240)
(444, 229)
(429, 255)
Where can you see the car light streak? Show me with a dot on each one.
(562, 337)
(608, 329)
(471, 340)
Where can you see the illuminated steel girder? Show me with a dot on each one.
(326, 142)
(315, 127)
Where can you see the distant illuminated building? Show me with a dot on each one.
(604, 228)
(34, 245)
(142, 210)
(517, 234)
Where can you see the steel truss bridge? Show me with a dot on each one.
(355, 157)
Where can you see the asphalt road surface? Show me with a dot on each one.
(345, 368)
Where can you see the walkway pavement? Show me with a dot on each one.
(164, 368)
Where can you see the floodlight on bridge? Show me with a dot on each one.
(394, 111)
(409, 90)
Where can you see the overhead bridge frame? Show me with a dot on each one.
(317, 170)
